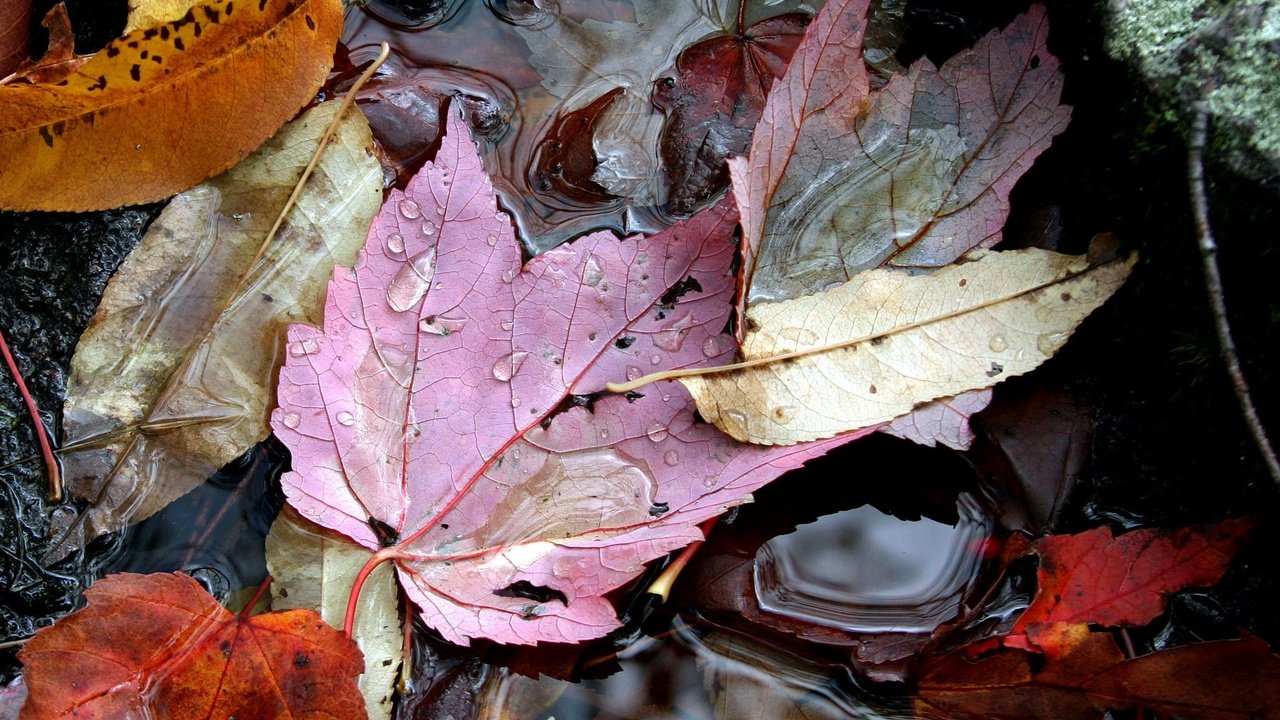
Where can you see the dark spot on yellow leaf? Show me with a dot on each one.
(212, 15)
(963, 282)
(261, 4)
(135, 72)
(44, 135)
(228, 9)
(876, 342)
(164, 33)
(144, 54)
(133, 44)
(311, 24)
(149, 33)
(101, 84)
(178, 44)
(156, 59)
(1066, 297)
(872, 389)
(112, 51)
(59, 127)
(195, 27)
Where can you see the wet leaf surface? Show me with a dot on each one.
(873, 348)
(918, 180)
(1096, 578)
(160, 646)
(446, 412)
(117, 132)
(203, 308)
(313, 568)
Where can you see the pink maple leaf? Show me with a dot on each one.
(451, 409)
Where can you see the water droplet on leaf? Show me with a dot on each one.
(508, 365)
(345, 418)
(410, 209)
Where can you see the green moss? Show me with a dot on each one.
(1222, 52)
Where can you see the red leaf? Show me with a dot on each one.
(713, 104)
(1095, 578)
(452, 407)
(160, 646)
(917, 180)
(1220, 680)
(821, 94)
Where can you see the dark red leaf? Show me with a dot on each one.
(713, 102)
(1221, 680)
(1119, 581)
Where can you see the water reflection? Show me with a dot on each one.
(863, 570)
(216, 532)
(693, 672)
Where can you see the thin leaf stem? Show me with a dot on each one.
(383, 555)
(1208, 247)
(257, 595)
(808, 351)
(347, 101)
(42, 433)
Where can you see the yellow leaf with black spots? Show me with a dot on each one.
(162, 108)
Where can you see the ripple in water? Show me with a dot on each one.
(864, 571)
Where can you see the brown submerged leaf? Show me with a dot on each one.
(162, 108)
(176, 373)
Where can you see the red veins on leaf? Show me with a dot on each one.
(451, 411)
(160, 646)
(1120, 581)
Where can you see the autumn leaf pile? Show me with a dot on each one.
(508, 441)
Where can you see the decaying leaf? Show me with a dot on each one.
(450, 412)
(314, 568)
(174, 376)
(1220, 680)
(59, 59)
(160, 646)
(919, 179)
(165, 107)
(872, 349)
(15, 21)
(1095, 578)
(713, 100)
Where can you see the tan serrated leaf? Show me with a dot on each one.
(176, 373)
(873, 349)
(313, 568)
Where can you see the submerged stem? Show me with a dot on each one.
(42, 433)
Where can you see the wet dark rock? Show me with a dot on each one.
(55, 266)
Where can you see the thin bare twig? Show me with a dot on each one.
(42, 433)
(1213, 280)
